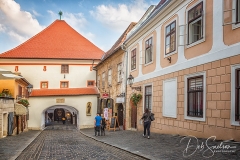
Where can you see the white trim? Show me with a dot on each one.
(234, 25)
(176, 40)
(232, 118)
(148, 84)
(204, 96)
(174, 99)
(204, 24)
(148, 63)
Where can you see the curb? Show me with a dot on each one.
(114, 146)
(27, 144)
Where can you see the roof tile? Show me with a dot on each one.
(57, 41)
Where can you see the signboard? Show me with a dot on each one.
(105, 113)
(105, 95)
(120, 99)
(114, 123)
(60, 100)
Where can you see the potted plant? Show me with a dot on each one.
(23, 102)
(136, 98)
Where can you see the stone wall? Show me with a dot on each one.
(6, 106)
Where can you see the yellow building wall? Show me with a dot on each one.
(8, 84)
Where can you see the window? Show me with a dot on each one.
(195, 96)
(237, 95)
(119, 67)
(133, 59)
(110, 77)
(103, 80)
(148, 97)
(64, 84)
(98, 81)
(170, 41)
(237, 11)
(148, 50)
(195, 23)
(64, 68)
(44, 84)
(90, 83)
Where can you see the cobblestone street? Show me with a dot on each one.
(62, 142)
(65, 142)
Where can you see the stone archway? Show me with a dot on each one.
(56, 112)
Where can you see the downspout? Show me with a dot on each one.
(123, 47)
(98, 97)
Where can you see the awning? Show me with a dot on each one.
(20, 109)
(6, 74)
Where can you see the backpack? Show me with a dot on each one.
(152, 117)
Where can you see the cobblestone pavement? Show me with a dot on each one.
(64, 142)
(166, 147)
(12, 146)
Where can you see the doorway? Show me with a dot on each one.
(120, 114)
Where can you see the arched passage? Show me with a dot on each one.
(56, 112)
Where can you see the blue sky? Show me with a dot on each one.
(100, 21)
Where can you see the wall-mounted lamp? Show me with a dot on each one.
(130, 82)
(169, 59)
(29, 88)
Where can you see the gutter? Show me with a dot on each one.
(149, 18)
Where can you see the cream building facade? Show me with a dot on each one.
(59, 66)
(187, 62)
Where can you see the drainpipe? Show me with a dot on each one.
(123, 47)
(98, 97)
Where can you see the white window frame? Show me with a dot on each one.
(233, 74)
(234, 13)
(149, 84)
(103, 80)
(147, 50)
(176, 39)
(203, 21)
(109, 77)
(135, 60)
(119, 76)
(203, 119)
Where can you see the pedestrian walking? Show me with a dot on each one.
(97, 124)
(63, 120)
(147, 122)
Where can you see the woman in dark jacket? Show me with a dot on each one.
(147, 122)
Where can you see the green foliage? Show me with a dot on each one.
(136, 98)
(5, 93)
(23, 102)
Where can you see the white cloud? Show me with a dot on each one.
(77, 21)
(120, 16)
(17, 36)
(36, 13)
(18, 23)
(2, 28)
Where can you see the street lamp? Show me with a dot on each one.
(29, 88)
(130, 82)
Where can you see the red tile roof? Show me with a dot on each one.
(64, 92)
(57, 41)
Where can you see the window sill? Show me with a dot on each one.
(196, 43)
(195, 118)
(235, 26)
(148, 63)
(133, 70)
(170, 54)
(235, 123)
